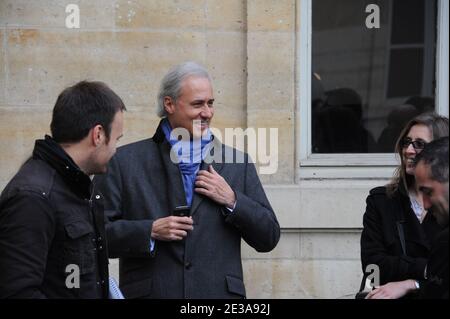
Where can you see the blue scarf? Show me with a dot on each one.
(190, 155)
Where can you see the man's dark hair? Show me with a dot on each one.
(81, 107)
(435, 155)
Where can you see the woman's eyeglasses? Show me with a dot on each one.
(418, 144)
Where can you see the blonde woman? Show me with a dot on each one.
(397, 229)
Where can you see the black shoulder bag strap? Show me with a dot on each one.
(401, 234)
(400, 222)
(363, 283)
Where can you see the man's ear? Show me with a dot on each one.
(97, 135)
(169, 105)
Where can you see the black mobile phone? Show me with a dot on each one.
(182, 211)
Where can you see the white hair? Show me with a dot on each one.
(171, 83)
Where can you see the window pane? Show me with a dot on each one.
(368, 82)
(408, 21)
(405, 72)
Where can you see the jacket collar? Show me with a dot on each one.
(175, 175)
(159, 137)
(53, 154)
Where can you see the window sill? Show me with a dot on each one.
(350, 160)
(347, 166)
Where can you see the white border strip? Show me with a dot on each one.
(442, 58)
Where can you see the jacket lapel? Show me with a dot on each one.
(217, 145)
(175, 190)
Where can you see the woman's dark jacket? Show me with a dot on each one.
(380, 239)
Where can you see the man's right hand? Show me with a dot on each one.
(171, 228)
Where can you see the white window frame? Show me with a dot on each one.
(378, 165)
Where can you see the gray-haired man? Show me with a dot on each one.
(196, 254)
